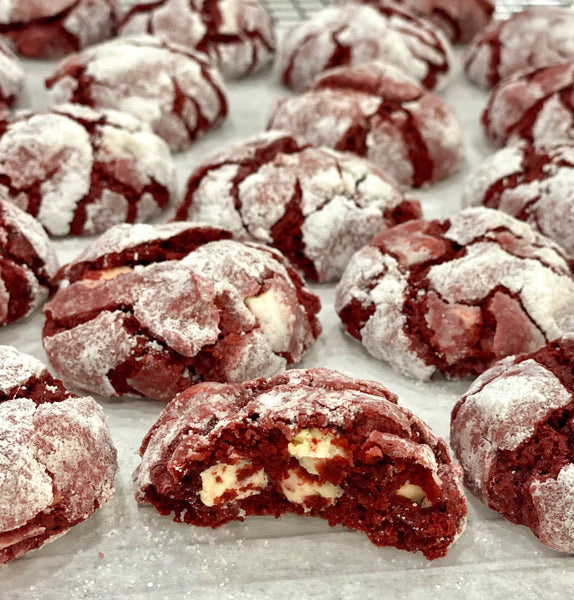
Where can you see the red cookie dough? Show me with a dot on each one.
(512, 432)
(310, 442)
(455, 296)
(11, 77)
(174, 89)
(536, 37)
(53, 28)
(28, 264)
(354, 34)
(57, 461)
(238, 34)
(379, 113)
(537, 106)
(318, 206)
(534, 183)
(460, 20)
(150, 310)
(79, 170)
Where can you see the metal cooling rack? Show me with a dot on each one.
(289, 11)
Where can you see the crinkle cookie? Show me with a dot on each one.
(455, 296)
(310, 442)
(512, 432)
(534, 183)
(537, 106)
(379, 113)
(150, 310)
(536, 37)
(318, 206)
(28, 264)
(79, 170)
(238, 34)
(460, 20)
(57, 461)
(51, 29)
(353, 34)
(174, 89)
(11, 77)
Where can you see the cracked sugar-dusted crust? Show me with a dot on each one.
(150, 310)
(316, 205)
(11, 77)
(57, 461)
(379, 113)
(79, 170)
(28, 263)
(172, 88)
(460, 20)
(534, 183)
(238, 34)
(51, 29)
(513, 434)
(536, 37)
(353, 34)
(377, 451)
(537, 106)
(454, 296)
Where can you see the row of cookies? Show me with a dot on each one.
(247, 488)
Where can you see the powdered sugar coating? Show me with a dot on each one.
(379, 113)
(460, 20)
(174, 89)
(11, 77)
(185, 309)
(361, 415)
(28, 263)
(515, 418)
(537, 105)
(57, 459)
(16, 369)
(454, 296)
(354, 34)
(534, 183)
(316, 205)
(536, 37)
(238, 34)
(53, 29)
(80, 170)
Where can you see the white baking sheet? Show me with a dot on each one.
(130, 552)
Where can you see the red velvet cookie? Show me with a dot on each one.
(57, 461)
(356, 33)
(536, 105)
(455, 296)
(536, 37)
(513, 433)
(150, 310)
(51, 29)
(460, 20)
(79, 170)
(11, 77)
(174, 89)
(28, 264)
(534, 183)
(377, 112)
(238, 34)
(310, 442)
(318, 206)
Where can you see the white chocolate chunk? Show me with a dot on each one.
(415, 493)
(298, 490)
(105, 275)
(221, 478)
(310, 446)
(274, 316)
